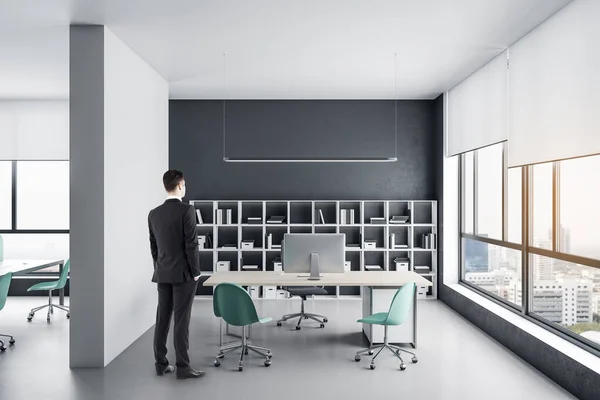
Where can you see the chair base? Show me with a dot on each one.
(303, 315)
(244, 348)
(11, 341)
(396, 350)
(50, 306)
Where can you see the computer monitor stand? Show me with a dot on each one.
(314, 267)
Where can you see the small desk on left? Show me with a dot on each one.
(23, 267)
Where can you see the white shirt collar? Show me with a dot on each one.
(174, 197)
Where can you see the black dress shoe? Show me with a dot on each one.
(188, 372)
(164, 369)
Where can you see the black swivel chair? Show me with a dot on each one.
(303, 292)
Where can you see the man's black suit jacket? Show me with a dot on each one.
(173, 242)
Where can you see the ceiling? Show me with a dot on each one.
(309, 49)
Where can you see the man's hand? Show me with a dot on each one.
(196, 278)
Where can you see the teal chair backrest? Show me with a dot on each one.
(4, 285)
(62, 280)
(401, 303)
(232, 303)
(1, 248)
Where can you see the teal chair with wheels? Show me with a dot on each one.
(232, 303)
(50, 286)
(397, 314)
(4, 285)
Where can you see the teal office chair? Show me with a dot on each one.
(233, 304)
(397, 314)
(4, 285)
(50, 286)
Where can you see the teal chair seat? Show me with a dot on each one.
(375, 319)
(50, 286)
(4, 286)
(397, 314)
(45, 286)
(232, 303)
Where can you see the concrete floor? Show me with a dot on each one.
(456, 361)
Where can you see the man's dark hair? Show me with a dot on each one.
(171, 179)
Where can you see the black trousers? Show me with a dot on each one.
(174, 298)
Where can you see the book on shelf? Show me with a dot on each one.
(321, 217)
(229, 219)
(400, 246)
(373, 267)
(201, 241)
(229, 246)
(276, 219)
(428, 241)
(392, 243)
(352, 216)
(219, 217)
(377, 220)
(422, 269)
(276, 246)
(269, 240)
(353, 245)
(343, 217)
(255, 220)
(250, 267)
(399, 219)
(199, 217)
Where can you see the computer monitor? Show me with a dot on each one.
(313, 253)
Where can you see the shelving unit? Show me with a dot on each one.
(303, 216)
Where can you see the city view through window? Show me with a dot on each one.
(561, 292)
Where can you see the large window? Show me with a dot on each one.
(549, 272)
(6, 195)
(35, 197)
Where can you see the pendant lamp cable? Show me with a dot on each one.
(396, 106)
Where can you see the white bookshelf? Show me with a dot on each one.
(301, 216)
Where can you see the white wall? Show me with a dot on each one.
(34, 130)
(135, 157)
(451, 209)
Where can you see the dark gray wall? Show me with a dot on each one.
(87, 196)
(196, 148)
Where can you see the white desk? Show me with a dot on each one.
(23, 267)
(378, 289)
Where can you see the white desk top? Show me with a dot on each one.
(18, 267)
(354, 278)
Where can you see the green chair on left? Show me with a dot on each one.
(232, 303)
(397, 314)
(4, 285)
(50, 286)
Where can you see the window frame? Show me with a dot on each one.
(525, 247)
(14, 229)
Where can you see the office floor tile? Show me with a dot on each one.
(456, 361)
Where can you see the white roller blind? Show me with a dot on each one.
(34, 130)
(477, 110)
(554, 100)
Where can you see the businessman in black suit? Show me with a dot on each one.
(174, 247)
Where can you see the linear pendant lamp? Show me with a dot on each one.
(317, 159)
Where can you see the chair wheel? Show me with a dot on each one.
(68, 315)
(2, 348)
(402, 367)
(325, 320)
(246, 352)
(357, 358)
(305, 317)
(297, 328)
(278, 323)
(28, 319)
(414, 360)
(267, 363)
(370, 352)
(322, 325)
(48, 319)
(240, 368)
(372, 366)
(31, 314)
(217, 363)
(11, 341)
